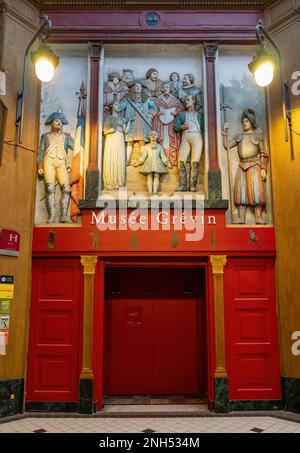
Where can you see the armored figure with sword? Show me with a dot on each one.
(249, 188)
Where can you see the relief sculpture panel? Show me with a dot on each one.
(156, 113)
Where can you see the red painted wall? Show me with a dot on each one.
(250, 265)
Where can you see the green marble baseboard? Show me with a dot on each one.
(255, 405)
(11, 397)
(291, 393)
(51, 406)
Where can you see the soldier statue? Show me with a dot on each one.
(249, 187)
(52, 164)
(191, 125)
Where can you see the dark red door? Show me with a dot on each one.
(153, 326)
(53, 355)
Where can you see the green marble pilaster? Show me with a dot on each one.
(214, 185)
(221, 404)
(86, 405)
(91, 185)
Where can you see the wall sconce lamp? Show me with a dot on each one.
(262, 67)
(45, 62)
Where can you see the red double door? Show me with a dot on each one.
(155, 331)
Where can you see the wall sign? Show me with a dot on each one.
(6, 286)
(152, 19)
(5, 306)
(2, 343)
(4, 322)
(9, 242)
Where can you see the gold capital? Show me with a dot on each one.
(89, 264)
(217, 263)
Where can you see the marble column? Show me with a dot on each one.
(214, 172)
(221, 403)
(86, 375)
(92, 172)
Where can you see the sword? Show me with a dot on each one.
(140, 113)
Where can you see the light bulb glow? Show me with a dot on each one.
(44, 69)
(264, 74)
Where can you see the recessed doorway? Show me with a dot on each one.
(155, 334)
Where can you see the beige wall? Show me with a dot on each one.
(283, 22)
(17, 177)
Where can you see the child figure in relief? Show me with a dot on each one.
(154, 163)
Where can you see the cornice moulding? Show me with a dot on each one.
(65, 4)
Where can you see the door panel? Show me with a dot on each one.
(53, 355)
(251, 330)
(175, 346)
(130, 356)
(153, 342)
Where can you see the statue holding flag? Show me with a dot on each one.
(76, 176)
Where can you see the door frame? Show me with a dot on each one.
(99, 327)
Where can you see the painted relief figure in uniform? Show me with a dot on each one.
(168, 107)
(190, 89)
(52, 164)
(152, 86)
(154, 161)
(191, 126)
(114, 90)
(114, 150)
(249, 188)
(127, 78)
(139, 110)
(175, 84)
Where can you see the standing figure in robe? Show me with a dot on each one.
(114, 150)
(168, 108)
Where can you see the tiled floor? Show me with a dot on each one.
(154, 408)
(236, 424)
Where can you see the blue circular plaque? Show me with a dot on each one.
(152, 19)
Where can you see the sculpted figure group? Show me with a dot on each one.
(164, 113)
(165, 118)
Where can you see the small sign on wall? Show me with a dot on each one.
(4, 322)
(5, 306)
(9, 242)
(2, 343)
(6, 286)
